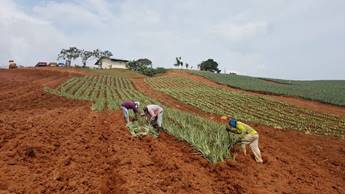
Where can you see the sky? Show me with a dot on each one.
(288, 39)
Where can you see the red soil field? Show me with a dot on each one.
(49, 144)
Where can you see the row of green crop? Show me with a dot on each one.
(329, 91)
(114, 72)
(103, 91)
(208, 137)
(249, 108)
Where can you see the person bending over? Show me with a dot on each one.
(248, 135)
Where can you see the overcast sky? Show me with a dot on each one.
(292, 39)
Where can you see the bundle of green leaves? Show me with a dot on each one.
(141, 127)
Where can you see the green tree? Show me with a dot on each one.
(85, 55)
(106, 53)
(68, 55)
(144, 62)
(144, 66)
(209, 65)
(139, 65)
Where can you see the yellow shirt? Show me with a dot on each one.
(242, 128)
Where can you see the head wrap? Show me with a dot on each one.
(137, 103)
(233, 122)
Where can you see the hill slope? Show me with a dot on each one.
(327, 91)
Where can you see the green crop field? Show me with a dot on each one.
(328, 91)
(248, 108)
(114, 72)
(107, 92)
(103, 91)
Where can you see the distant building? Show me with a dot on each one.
(41, 64)
(12, 64)
(52, 64)
(109, 63)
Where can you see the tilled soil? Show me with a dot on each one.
(49, 144)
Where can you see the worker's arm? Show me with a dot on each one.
(228, 127)
(231, 129)
(136, 111)
(152, 114)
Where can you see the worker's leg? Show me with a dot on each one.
(244, 150)
(254, 145)
(125, 114)
(247, 139)
(160, 119)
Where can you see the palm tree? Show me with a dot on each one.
(198, 66)
(179, 62)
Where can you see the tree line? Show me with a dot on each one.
(141, 65)
(72, 53)
(208, 65)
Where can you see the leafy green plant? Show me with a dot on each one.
(141, 127)
(208, 137)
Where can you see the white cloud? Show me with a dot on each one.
(68, 16)
(240, 32)
(24, 38)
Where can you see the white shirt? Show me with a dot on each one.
(154, 110)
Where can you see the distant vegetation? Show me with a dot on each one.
(248, 108)
(114, 72)
(209, 65)
(180, 64)
(144, 66)
(328, 91)
(73, 53)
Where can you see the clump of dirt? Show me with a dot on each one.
(30, 152)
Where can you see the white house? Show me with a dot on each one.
(109, 63)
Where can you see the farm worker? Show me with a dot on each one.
(130, 104)
(248, 135)
(155, 114)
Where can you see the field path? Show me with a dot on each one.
(49, 144)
